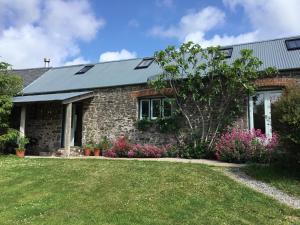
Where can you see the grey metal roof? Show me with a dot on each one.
(273, 53)
(48, 97)
(101, 75)
(30, 75)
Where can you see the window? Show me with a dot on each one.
(84, 69)
(145, 109)
(154, 108)
(293, 44)
(227, 52)
(260, 110)
(146, 62)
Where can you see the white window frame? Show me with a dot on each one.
(151, 108)
(141, 114)
(267, 110)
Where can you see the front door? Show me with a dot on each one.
(260, 110)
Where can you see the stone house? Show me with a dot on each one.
(70, 105)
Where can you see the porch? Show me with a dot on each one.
(51, 121)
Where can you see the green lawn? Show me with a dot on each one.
(59, 191)
(285, 179)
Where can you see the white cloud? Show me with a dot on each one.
(16, 13)
(223, 40)
(268, 19)
(165, 3)
(77, 61)
(192, 24)
(118, 55)
(53, 32)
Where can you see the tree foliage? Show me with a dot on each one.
(10, 85)
(286, 121)
(209, 91)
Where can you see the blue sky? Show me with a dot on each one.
(84, 31)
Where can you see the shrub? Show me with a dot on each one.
(123, 148)
(242, 146)
(146, 151)
(104, 144)
(171, 151)
(200, 151)
(144, 124)
(120, 148)
(168, 124)
(286, 121)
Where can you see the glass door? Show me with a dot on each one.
(260, 110)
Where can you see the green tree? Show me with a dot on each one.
(10, 85)
(210, 92)
(286, 121)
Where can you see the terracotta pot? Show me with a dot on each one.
(97, 152)
(87, 152)
(20, 153)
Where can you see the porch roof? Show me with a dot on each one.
(64, 98)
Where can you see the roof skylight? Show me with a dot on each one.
(292, 44)
(145, 63)
(84, 69)
(227, 52)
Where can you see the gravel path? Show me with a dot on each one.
(262, 187)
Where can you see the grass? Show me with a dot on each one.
(60, 191)
(283, 178)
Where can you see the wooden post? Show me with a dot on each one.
(68, 128)
(23, 121)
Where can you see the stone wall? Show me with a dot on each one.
(113, 112)
(44, 123)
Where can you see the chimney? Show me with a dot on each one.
(47, 62)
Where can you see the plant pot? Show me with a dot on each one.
(20, 153)
(97, 152)
(87, 152)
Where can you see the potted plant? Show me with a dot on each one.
(97, 149)
(88, 148)
(104, 144)
(22, 142)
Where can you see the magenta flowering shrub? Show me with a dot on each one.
(120, 148)
(123, 148)
(245, 146)
(146, 151)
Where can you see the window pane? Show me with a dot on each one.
(273, 98)
(155, 108)
(145, 109)
(259, 112)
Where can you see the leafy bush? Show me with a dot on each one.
(104, 144)
(286, 121)
(168, 124)
(144, 124)
(198, 152)
(242, 146)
